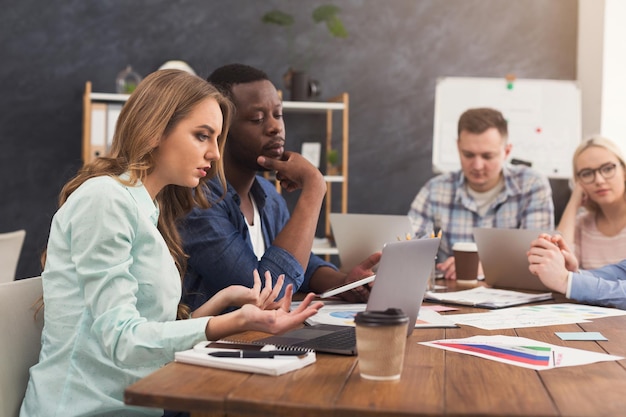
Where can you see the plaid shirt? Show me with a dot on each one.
(444, 203)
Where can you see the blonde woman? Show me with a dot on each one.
(112, 276)
(594, 220)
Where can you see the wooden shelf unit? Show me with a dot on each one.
(338, 103)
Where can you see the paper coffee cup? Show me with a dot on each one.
(380, 342)
(465, 260)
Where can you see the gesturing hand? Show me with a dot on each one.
(281, 319)
(264, 298)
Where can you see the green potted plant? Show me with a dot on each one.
(332, 157)
(299, 62)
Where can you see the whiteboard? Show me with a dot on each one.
(544, 119)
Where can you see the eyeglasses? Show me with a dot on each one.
(588, 175)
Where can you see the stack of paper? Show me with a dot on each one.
(487, 297)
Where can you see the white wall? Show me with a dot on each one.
(601, 68)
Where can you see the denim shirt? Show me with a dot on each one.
(604, 286)
(219, 247)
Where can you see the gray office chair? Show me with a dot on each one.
(20, 340)
(10, 249)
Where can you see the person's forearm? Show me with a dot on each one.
(297, 235)
(567, 224)
(225, 325)
(213, 306)
(325, 278)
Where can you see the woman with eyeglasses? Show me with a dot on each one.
(594, 220)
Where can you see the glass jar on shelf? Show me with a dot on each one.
(127, 80)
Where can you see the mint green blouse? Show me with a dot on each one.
(111, 291)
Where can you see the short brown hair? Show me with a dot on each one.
(480, 119)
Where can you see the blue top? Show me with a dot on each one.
(220, 250)
(443, 203)
(111, 292)
(604, 286)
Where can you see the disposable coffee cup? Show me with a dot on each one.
(380, 343)
(465, 260)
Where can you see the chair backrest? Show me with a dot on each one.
(10, 249)
(20, 340)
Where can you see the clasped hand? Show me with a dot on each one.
(550, 259)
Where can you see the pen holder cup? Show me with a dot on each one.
(381, 342)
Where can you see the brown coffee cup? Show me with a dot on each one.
(381, 341)
(465, 260)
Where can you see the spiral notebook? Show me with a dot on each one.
(400, 282)
(277, 365)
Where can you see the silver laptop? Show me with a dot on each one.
(502, 253)
(357, 236)
(400, 283)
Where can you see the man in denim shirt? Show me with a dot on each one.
(251, 227)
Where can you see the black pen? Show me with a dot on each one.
(256, 353)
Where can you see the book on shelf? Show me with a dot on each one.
(486, 297)
(247, 357)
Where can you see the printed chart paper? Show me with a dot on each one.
(534, 316)
(343, 315)
(520, 351)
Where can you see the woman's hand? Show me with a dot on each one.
(263, 298)
(251, 317)
(239, 295)
(280, 319)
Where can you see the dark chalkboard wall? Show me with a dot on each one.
(389, 64)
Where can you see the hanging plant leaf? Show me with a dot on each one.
(277, 17)
(336, 28)
(325, 12)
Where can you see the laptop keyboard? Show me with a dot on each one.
(343, 339)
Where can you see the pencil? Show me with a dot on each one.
(439, 234)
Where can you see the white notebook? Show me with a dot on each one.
(278, 365)
(487, 297)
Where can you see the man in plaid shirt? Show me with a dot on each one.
(486, 192)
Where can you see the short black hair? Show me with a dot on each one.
(226, 76)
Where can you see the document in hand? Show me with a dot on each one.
(487, 297)
(245, 357)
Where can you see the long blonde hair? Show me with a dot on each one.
(153, 110)
(598, 142)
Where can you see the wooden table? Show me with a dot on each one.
(434, 382)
